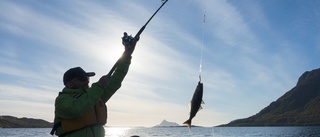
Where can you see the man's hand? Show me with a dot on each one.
(129, 43)
(129, 48)
(104, 80)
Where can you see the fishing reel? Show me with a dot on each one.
(126, 39)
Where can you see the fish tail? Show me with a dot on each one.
(188, 122)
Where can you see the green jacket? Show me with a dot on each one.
(68, 107)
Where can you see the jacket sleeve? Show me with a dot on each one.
(117, 78)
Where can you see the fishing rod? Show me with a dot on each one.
(128, 38)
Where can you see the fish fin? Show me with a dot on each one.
(188, 122)
(200, 108)
(190, 104)
(202, 102)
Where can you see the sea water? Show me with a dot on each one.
(180, 132)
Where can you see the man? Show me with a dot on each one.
(80, 110)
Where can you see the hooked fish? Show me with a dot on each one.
(195, 103)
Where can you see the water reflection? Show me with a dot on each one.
(116, 131)
(180, 132)
(266, 131)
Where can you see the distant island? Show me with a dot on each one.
(300, 106)
(166, 123)
(14, 122)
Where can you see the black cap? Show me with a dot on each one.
(75, 73)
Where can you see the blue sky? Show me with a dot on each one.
(254, 51)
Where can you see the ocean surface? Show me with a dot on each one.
(181, 132)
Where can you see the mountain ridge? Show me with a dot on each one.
(15, 122)
(300, 106)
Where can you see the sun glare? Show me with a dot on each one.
(116, 52)
(116, 131)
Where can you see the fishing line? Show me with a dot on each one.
(201, 55)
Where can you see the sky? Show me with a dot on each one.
(251, 53)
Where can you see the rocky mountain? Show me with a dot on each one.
(165, 123)
(14, 122)
(300, 106)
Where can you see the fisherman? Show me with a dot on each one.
(80, 110)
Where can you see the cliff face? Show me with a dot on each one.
(14, 122)
(298, 107)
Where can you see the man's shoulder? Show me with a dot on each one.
(70, 92)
